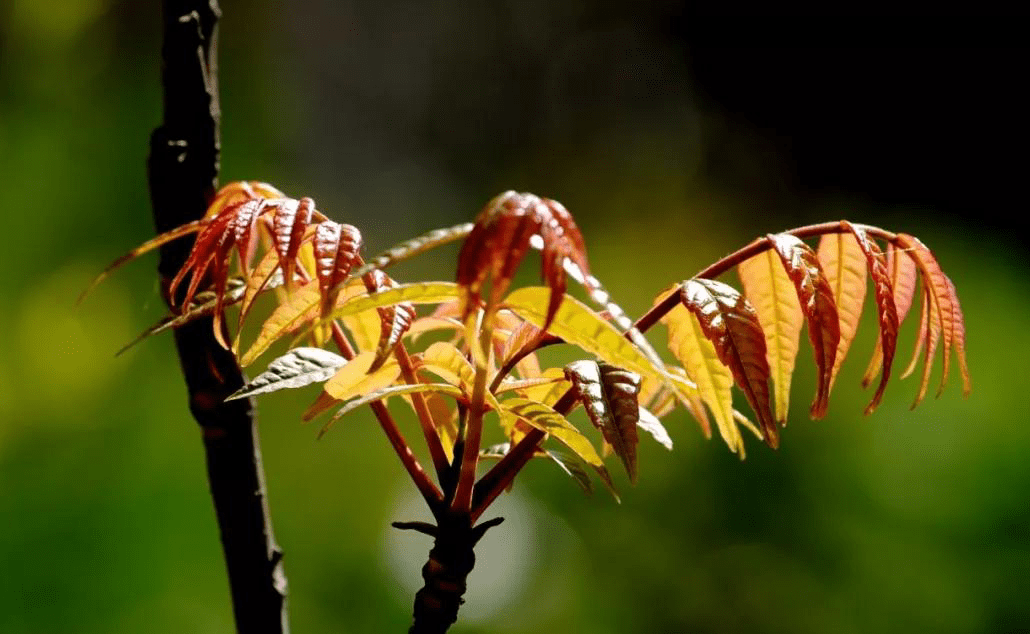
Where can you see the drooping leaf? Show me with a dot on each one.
(149, 245)
(941, 303)
(290, 223)
(903, 277)
(650, 423)
(609, 396)
(207, 245)
(714, 380)
(926, 342)
(387, 392)
(500, 239)
(547, 420)
(845, 267)
(922, 334)
(959, 337)
(395, 319)
(296, 368)
(730, 323)
(574, 467)
(337, 248)
(203, 306)
(816, 301)
(243, 227)
(771, 292)
(886, 311)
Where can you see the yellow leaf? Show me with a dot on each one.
(447, 362)
(285, 318)
(547, 393)
(774, 298)
(547, 420)
(714, 380)
(844, 264)
(353, 380)
(298, 309)
(580, 326)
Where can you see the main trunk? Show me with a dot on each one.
(183, 172)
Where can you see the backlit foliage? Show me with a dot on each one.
(483, 366)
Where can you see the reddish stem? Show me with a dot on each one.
(425, 418)
(503, 473)
(426, 487)
(662, 308)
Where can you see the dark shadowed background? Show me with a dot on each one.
(674, 136)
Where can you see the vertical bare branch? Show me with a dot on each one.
(183, 172)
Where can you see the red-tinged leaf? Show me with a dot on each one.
(714, 380)
(202, 254)
(922, 334)
(258, 281)
(502, 235)
(845, 267)
(297, 368)
(941, 305)
(336, 252)
(886, 311)
(730, 323)
(243, 227)
(203, 306)
(239, 192)
(146, 247)
(933, 337)
(395, 319)
(959, 337)
(816, 301)
(290, 224)
(609, 396)
(903, 276)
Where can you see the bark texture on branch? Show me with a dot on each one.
(183, 172)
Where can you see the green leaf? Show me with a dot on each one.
(296, 368)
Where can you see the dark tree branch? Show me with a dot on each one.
(183, 171)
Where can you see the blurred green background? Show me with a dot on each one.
(674, 137)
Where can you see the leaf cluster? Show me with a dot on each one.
(254, 241)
